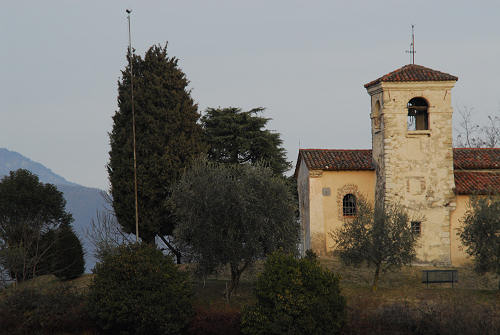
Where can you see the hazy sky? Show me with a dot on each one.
(305, 61)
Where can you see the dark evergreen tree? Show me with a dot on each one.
(239, 137)
(64, 257)
(29, 213)
(69, 262)
(167, 138)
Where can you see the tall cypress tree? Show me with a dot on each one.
(168, 137)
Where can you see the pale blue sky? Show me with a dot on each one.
(305, 61)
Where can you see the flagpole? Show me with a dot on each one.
(130, 54)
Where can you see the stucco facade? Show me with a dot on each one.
(411, 162)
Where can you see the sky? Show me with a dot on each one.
(305, 61)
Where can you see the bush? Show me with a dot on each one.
(138, 290)
(214, 322)
(295, 296)
(30, 310)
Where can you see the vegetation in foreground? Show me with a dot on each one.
(295, 296)
(402, 304)
(138, 290)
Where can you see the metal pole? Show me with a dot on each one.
(133, 126)
(413, 42)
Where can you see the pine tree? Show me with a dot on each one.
(234, 136)
(168, 137)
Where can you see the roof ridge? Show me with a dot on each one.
(311, 149)
(413, 72)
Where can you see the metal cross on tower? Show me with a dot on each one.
(412, 45)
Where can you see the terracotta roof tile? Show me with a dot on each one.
(467, 182)
(476, 159)
(336, 159)
(333, 160)
(413, 72)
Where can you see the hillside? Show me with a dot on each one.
(82, 202)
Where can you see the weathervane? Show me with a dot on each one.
(412, 45)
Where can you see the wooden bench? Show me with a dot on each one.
(439, 276)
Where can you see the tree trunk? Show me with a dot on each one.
(375, 278)
(176, 252)
(235, 278)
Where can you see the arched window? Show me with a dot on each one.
(418, 118)
(349, 205)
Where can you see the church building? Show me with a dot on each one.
(412, 162)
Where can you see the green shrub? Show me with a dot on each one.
(295, 296)
(138, 290)
(30, 310)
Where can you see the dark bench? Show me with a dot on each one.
(439, 276)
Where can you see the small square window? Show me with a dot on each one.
(416, 228)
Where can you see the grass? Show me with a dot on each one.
(401, 299)
(400, 286)
(403, 285)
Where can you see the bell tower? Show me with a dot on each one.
(412, 150)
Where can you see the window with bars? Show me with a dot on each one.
(349, 205)
(416, 228)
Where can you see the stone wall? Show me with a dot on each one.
(303, 193)
(415, 168)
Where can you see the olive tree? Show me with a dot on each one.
(480, 233)
(380, 236)
(233, 215)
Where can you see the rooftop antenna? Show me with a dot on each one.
(130, 54)
(412, 45)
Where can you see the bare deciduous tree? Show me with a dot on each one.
(469, 134)
(104, 232)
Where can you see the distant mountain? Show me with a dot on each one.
(11, 160)
(82, 202)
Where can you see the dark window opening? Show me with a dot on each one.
(416, 228)
(349, 205)
(418, 118)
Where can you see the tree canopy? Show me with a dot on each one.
(295, 296)
(139, 290)
(234, 136)
(64, 258)
(480, 233)
(29, 211)
(379, 236)
(167, 138)
(234, 214)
